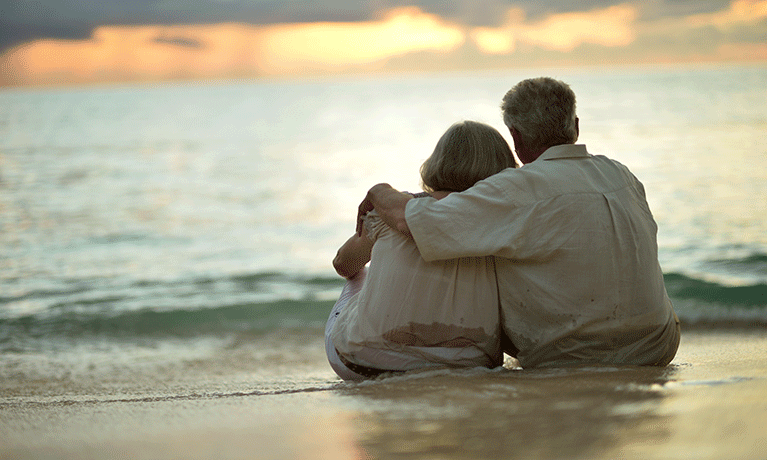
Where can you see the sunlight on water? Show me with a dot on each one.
(696, 140)
(107, 191)
(165, 270)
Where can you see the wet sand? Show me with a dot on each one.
(711, 403)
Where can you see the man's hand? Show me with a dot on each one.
(390, 205)
(365, 207)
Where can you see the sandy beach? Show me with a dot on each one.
(711, 403)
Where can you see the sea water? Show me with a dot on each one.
(175, 224)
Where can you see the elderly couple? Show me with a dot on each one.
(554, 263)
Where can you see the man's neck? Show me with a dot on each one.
(439, 194)
(528, 156)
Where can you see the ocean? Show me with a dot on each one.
(187, 229)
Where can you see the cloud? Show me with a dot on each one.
(25, 20)
(636, 32)
(735, 32)
(288, 48)
(611, 27)
(400, 39)
(739, 12)
(155, 52)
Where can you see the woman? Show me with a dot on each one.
(404, 313)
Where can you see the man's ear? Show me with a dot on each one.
(577, 129)
(515, 136)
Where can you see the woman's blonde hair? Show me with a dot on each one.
(468, 152)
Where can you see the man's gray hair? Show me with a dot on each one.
(542, 110)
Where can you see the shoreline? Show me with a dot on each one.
(711, 402)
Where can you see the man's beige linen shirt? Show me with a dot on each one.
(577, 258)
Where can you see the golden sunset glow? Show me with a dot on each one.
(137, 52)
(291, 48)
(206, 51)
(230, 50)
(610, 27)
(739, 12)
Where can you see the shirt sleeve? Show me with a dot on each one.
(480, 221)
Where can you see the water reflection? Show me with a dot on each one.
(552, 413)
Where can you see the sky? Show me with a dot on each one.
(56, 42)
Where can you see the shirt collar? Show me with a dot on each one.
(559, 152)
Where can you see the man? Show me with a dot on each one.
(577, 256)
